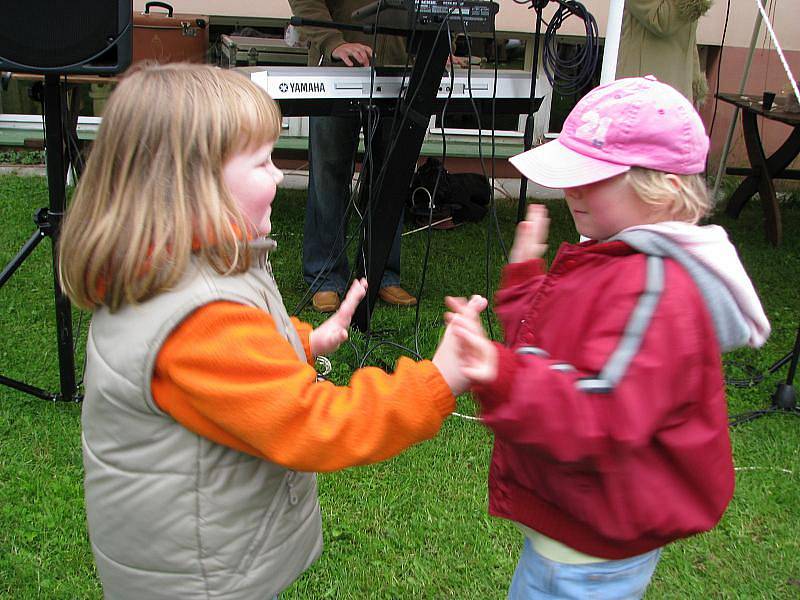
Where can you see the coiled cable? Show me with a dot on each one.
(570, 73)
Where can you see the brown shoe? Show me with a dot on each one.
(326, 302)
(394, 294)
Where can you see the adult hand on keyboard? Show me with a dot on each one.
(353, 54)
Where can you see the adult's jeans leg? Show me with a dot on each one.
(331, 154)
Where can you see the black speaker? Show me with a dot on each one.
(75, 37)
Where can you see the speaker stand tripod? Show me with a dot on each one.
(48, 223)
(784, 400)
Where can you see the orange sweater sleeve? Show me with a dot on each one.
(227, 374)
(304, 331)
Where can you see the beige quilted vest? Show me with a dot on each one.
(172, 514)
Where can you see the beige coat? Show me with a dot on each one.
(659, 37)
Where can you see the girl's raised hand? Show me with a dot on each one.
(446, 358)
(333, 332)
(477, 355)
(530, 240)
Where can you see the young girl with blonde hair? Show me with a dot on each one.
(607, 399)
(203, 421)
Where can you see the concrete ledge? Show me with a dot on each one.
(24, 170)
(503, 187)
(298, 180)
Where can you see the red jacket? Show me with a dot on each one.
(609, 474)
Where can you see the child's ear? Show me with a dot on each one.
(674, 181)
(672, 209)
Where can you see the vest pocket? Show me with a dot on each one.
(267, 523)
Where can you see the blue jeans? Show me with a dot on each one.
(333, 142)
(536, 577)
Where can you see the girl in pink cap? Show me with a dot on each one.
(607, 398)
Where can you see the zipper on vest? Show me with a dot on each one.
(261, 537)
(290, 484)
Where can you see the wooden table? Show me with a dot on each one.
(763, 169)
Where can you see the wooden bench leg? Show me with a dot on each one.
(766, 188)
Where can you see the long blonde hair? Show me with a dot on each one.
(152, 194)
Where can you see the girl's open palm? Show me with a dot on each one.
(333, 332)
(530, 240)
(476, 352)
(477, 356)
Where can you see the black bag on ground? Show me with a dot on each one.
(461, 196)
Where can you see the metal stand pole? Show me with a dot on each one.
(784, 400)
(49, 223)
(726, 148)
(608, 71)
(538, 6)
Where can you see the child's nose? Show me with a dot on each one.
(277, 175)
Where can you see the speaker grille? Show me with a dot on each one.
(48, 34)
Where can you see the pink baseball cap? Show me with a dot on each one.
(633, 122)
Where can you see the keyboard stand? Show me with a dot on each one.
(394, 171)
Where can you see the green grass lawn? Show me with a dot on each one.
(415, 526)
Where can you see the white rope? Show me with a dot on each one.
(764, 469)
(424, 227)
(427, 191)
(467, 417)
(302, 169)
(785, 64)
(499, 187)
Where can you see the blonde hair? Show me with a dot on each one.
(689, 200)
(152, 194)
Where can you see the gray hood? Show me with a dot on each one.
(712, 262)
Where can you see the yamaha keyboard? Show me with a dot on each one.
(320, 91)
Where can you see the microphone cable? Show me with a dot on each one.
(570, 74)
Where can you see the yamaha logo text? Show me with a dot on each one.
(305, 87)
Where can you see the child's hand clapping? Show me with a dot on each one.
(530, 240)
(333, 332)
(477, 356)
(446, 358)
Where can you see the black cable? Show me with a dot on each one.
(381, 174)
(426, 257)
(384, 342)
(433, 195)
(493, 213)
(396, 128)
(384, 165)
(368, 156)
(404, 117)
(330, 261)
(719, 66)
(570, 75)
(348, 239)
(367, 164)
(75, 160)
(492, 205)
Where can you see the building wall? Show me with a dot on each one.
(766, 71)
(766, 74)
(515, 17)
